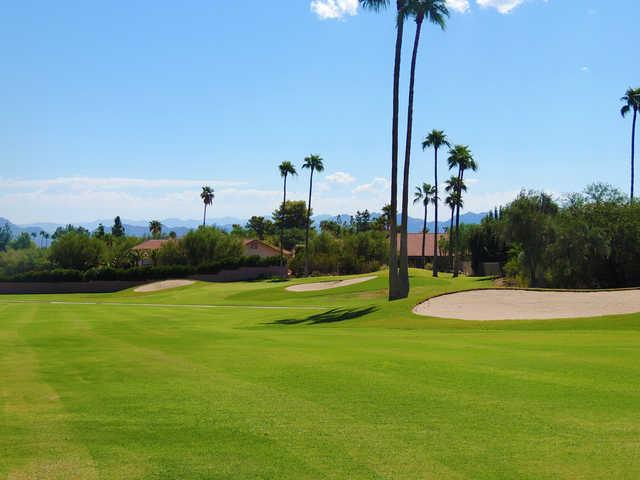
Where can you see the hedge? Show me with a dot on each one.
(139, 273)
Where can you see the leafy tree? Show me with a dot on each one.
(5, 236)
(260, 227)
(76, 250)
(21, 242)
(362, 221)
(207, 195)
(331, 226)
(530, 231)
(155, 228)
(99, 233)
(14, 262)
(209, 245)
(434, 11)
(460, 157)
(172, 253)
(313, 163)
(425, 194)
(395, 289)
(286, 168)
(631, 101)
(291, 218)
(118, 229)
(436, 139)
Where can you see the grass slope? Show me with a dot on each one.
(359, 388)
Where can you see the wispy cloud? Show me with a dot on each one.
(503, 6)
(342, 178)
(334, 9)
(110, 183)
(461, 6)
(585, 69)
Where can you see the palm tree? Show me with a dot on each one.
(376, 5)
(155, 227)
(436, 139)
(454, 187)
(460, 156)
(207, 197)
(632, 103)
(435, 11)
(424, 195)
(46, 239)
(315, 164)
(286, 168)
(42, 234)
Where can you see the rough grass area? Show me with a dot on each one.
(356, 388)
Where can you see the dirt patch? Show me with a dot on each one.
(314, 287)
(486, 305)
(165, 285)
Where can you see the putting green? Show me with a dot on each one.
(169, 385)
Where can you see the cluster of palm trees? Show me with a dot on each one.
(631, 100)
(313, 163)
(460, 159)
(435, 12)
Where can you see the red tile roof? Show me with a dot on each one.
(415, 244)
(151, 245)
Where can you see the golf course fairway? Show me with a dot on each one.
(250, 381)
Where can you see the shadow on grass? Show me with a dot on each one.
(332, 316)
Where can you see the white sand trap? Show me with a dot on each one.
(528, 305)
(165, 285)
(313, 287)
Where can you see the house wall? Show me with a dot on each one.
(259, 249)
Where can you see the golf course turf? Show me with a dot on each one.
(202, 382)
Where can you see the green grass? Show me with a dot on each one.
(357, 388)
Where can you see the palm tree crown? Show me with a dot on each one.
(207, 195)
(435, 139)
(287, 168)
(155, 227)
(460, 157)
(434, 11)
(631, 101)
(313, 163)
(424, 194)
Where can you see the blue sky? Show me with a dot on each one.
(126, 108)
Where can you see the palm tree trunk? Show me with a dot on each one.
(204, 218)
(633, 150)
(404, 259)
(456, 253)
(284, 203)
(394, 287)
(435, 240)
(453, 209)
(424, 236)
(306, 236)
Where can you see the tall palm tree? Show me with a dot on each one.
(425, 195)
(207, 197)
(435, 139)
(42, 234)
(434, 11)
(315, 164)
(376, 5)
(460, 157)
(286, 168)
(454, 187)
(632, 104)
(155, 228)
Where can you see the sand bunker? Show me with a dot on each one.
(313, 287)
(165, 285)
(529, 305)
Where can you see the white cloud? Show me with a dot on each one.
(461, 6)
(377, 185)
(342, 178)
(585, 69)
(503, 6)
(334, 9)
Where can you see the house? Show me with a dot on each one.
(250, 247)
(414, 244)
(260, 248)
(147, 249)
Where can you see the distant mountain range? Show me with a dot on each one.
(140, 228)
